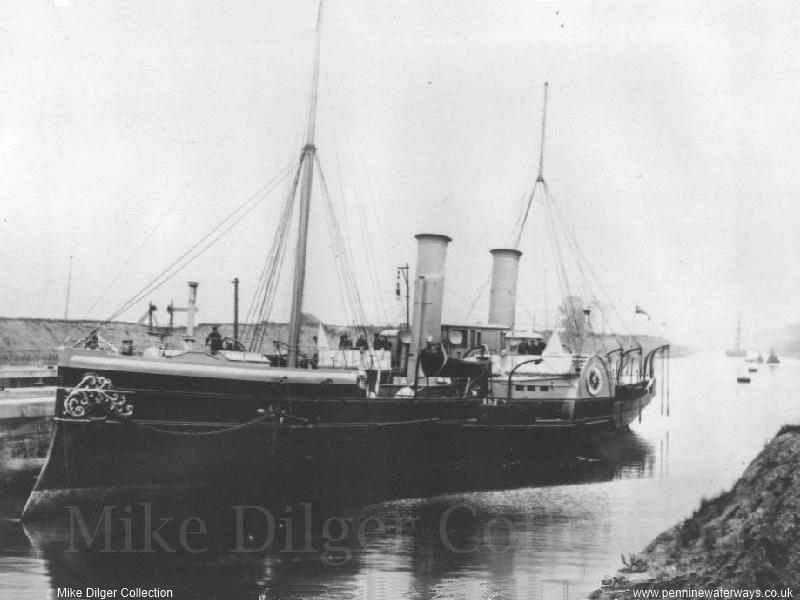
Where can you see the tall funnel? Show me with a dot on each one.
(503, 294)
(191, 309)
(429, 286)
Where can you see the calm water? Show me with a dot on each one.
(506, 531)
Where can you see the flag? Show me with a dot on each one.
(641, 311)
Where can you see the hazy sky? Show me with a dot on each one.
(672, 145)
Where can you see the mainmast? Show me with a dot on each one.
(307, 167)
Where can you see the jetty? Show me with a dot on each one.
(26, 421)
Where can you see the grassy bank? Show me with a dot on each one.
(746, 538)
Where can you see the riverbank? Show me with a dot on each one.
(747, 538)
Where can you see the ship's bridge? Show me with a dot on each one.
(460, 338)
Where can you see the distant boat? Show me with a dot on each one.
(737, 351)
(758, 359)
(743, 379)
(773, 359)
(752, 370)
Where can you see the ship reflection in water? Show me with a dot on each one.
(476, 529)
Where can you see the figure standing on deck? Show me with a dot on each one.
(214, 340)
(344, 342)
(93, 343)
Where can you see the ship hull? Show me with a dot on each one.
(92, 464)
(176, 437)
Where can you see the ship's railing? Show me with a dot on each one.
(531, 364)
(626, 365)
(538, 366)
(627, 373)
(649, 361)
(380, 360)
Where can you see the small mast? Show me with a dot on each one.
(307, 168)
(539, 177)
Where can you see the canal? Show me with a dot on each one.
(548, 529)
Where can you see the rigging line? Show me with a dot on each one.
(253, 199)
(357, 185)
(571, 241)
(571, 236)
(340, 276)
(264, 295)
(600, 286)
(478, 296)
(356, 296)
(544, 288)
(519, 218)
(348, 293)
(270, 287)
(283, 222)
(525, 217)
(172, 205)
(336, 249)
(382, 230)
(337, 159)
(369, 255)
(455, 293)
(171, 271)
(199, 252)
(563, 279)
(372, 267)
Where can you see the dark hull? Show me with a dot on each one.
(191, 437)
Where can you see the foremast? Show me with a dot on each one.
(306, 167)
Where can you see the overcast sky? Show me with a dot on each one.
(672, 146)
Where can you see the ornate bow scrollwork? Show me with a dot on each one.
(94, 398)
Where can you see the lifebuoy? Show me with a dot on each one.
(594, 380)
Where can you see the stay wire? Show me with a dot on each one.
(223, 226)
(264, 294)
(170, 208)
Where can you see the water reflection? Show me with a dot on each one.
(547, 525)
(478, 528)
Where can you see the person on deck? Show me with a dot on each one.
(315, 356)
(381, 343)
(361, 342)
(214, 340)
(344, 342)
(93, 343)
